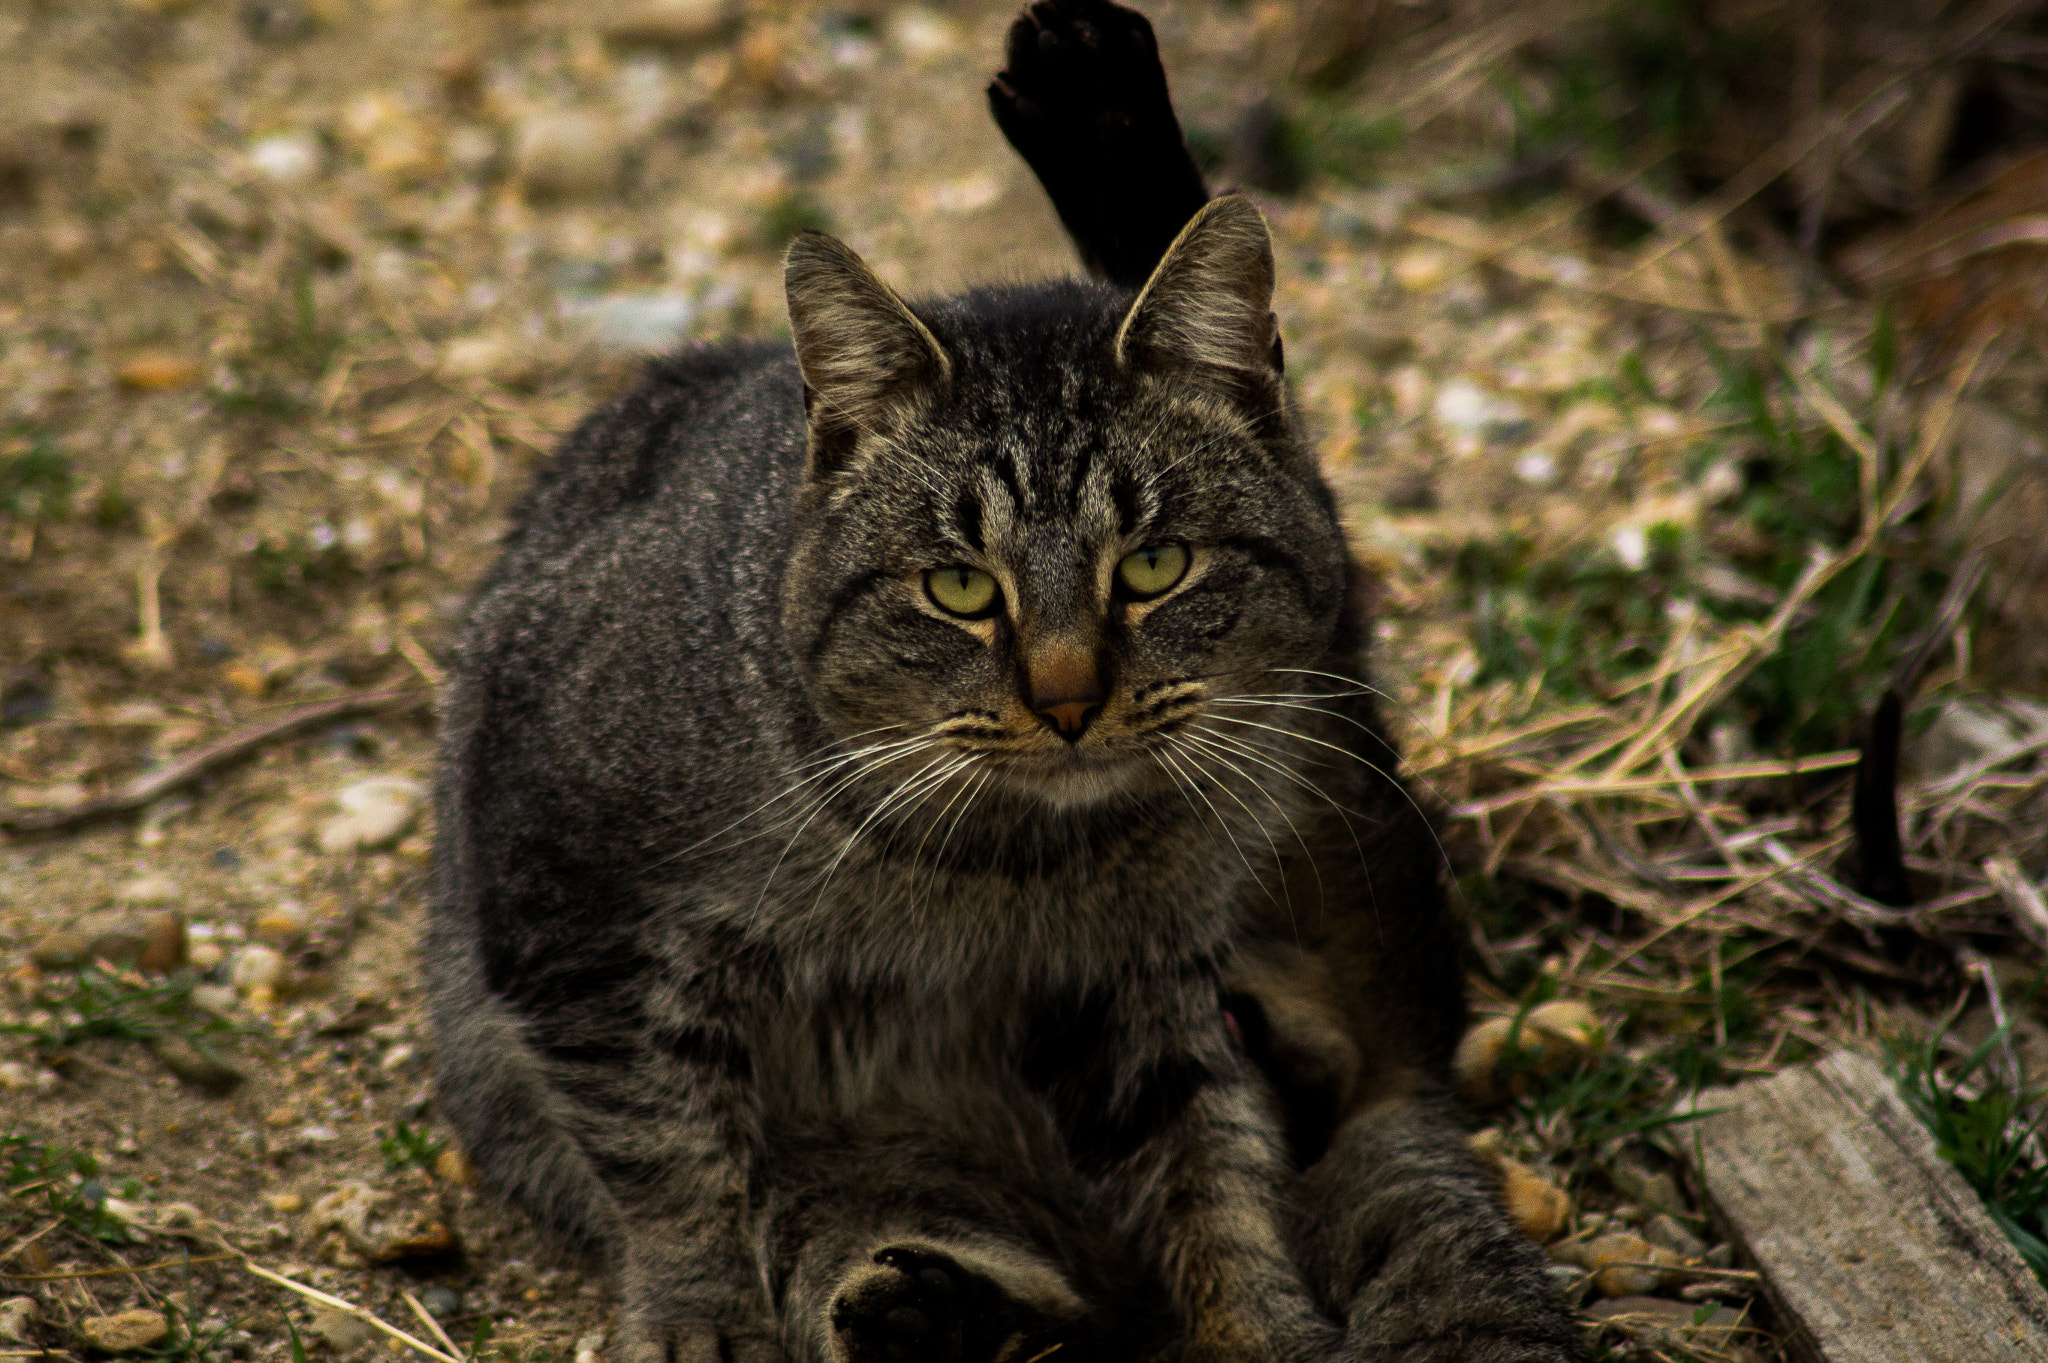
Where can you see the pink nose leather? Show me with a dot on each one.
(1066, 690)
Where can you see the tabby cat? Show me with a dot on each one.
(878, 779)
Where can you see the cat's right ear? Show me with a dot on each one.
(867, 360)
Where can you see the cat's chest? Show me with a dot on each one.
(1029, 923)
(845, 1051)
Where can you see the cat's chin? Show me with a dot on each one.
(1077, 783)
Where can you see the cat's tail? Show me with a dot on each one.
(491, 1090)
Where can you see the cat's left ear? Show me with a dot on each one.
(1207, 311)
(867, 361)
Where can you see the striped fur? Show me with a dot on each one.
(787, 963)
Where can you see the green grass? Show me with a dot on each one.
(1990, 1138)
(36, 484)
(409, 1147)
(788, 215)
(44, 1180)
(1582, 625)
(97, 1003)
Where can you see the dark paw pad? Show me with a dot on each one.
(921, 1306)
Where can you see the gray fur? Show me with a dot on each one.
(782, 954)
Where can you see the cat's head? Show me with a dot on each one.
(1043, 529)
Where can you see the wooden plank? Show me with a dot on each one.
(1872, 1249)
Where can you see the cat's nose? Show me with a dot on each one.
(1066, 691)
(1070, 719)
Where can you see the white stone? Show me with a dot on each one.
(288, 158)
(1465, 406)
(569, 152)
(374, 813)
(151, 889)
(632, 321)
(1631, 544)
(217, 999)
(257, 966)
(18, 1316)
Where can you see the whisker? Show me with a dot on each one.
(1420, 813)
(920, 784)
(1221, 821)
(817, 807)
(834, 761)
(1257, 822)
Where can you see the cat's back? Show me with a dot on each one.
(635, 598)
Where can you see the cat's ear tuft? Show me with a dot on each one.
(1207, 311)
(867, 360)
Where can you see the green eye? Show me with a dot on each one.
(960, 590)
(1153, 569)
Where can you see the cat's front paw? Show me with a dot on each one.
(915, 1304)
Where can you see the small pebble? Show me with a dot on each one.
(288, 158)
(194, 1066)
(342, 1331)
(165, 944)
(1664, 1231)
(258, 967)
(670, 23)
(158, 371)
(452, 1165)
(119, 947)
(151, 890)
(205, 955)
(60, 950)
(568, 152)
(280, 1117)
(124, 1332)
(1538, 1207)
(17, 1077)
(1720, 1256)
(217, 999)
(18, 1316)
(1554, 1037)
(444, 1303)
(280, 926)
(286, 1203)
(1569, 1279)
(373, 813)
(1653, 1189)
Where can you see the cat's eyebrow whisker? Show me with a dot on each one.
(1180, 459)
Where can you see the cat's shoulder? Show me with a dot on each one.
(701, 409)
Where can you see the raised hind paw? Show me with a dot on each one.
(1083, 99)
(917, 1304)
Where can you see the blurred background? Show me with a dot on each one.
(1679, 363)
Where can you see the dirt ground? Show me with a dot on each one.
(295, 293)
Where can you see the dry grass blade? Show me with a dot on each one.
(350, 1309)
